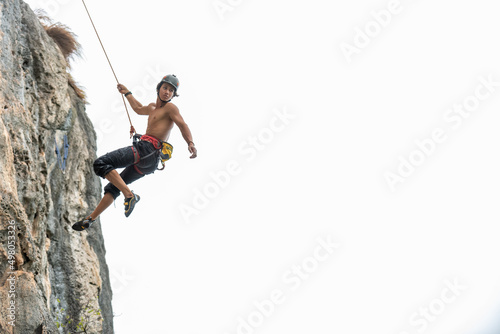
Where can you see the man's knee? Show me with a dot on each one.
(101, 168)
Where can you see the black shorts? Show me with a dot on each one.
(138, 160)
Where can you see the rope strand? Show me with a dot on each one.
(132, 130)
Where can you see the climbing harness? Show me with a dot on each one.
(163, 149)
(132, 129)
(61, 160)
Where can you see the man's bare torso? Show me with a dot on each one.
(159, 122)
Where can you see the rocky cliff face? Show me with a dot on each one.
(48, 272)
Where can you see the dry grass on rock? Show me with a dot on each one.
(67, 43)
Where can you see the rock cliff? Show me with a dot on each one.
(49, 274)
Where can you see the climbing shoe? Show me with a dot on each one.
(83, 224)
(130, 204)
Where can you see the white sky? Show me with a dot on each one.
(320, 175)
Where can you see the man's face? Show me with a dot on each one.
(166, 91)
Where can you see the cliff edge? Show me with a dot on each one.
(50, 275)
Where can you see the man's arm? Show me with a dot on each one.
(175, 115)
(136, 105)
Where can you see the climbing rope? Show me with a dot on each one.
(132, 130)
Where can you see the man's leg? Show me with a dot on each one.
(105, 167)
(118, 182)
(127, 176)
(105, 202)
(112, 190)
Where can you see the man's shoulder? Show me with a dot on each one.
(166, 109)
(170, 107)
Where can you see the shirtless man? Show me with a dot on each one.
(142, 157)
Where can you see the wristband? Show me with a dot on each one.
(127, 93)
(190, 142)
